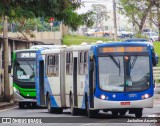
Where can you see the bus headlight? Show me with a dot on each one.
(103, 97)
(16, 90)
(145, 96)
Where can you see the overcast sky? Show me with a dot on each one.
(88, 4)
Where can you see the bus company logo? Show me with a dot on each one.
(6, 120)
(132, 95)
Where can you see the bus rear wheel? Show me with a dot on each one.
(73, 110)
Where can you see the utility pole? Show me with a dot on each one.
(7, 96)
(115, 20)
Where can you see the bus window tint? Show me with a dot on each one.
(108, 71)
(24, 70)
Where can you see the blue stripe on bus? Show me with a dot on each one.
(85, 90)
(46, 84)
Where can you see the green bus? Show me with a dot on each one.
(23, 64)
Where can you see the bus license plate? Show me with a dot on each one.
(125, 103)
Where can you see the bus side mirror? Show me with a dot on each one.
(155, 59)
(9, 68)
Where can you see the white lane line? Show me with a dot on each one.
(7, 109)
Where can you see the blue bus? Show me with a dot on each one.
(116, 77)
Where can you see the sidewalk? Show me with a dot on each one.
(6, 104)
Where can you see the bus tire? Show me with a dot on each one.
(122, 112)
(21, 105)
(138, 113)
(114, 113)
(50, 109)
(73, 110)
(90, 113)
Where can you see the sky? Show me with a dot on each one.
(88, 4)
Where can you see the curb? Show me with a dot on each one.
(6, 104)
(157, 96)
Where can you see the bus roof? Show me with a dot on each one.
(25, 50)
(44, 46)
(122, 44)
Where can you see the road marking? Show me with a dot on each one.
(8, 109)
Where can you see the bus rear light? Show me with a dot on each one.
(145, 96)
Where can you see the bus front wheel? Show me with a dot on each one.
(21, 105)
(114, 113)
(50, 109)
(90, 113)
(138, 113)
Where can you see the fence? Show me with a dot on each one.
(156, 73)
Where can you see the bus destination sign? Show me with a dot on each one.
(26, 55)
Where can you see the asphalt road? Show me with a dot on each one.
(34, 116)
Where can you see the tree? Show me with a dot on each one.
(156, 15)
(61, 10)
(137, 11)
(99, 13)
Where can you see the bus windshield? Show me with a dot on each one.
(25, 70)
(124, 73)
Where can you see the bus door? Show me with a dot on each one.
(91, 82)
(41, 82)
(75, 81)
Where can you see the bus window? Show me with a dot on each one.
(53, 65)
(81, 63)
(85, 62)
(69, 63)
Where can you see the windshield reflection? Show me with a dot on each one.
(25, 71)
(124, 73)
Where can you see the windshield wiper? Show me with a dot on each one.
(133, 62)
(116, 63)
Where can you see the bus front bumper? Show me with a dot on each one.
(106, 104)
(18, 98)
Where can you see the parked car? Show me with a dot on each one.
(97, 32)
(153, 36)
(124, 34)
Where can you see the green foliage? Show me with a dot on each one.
(157, 50)
(99, 13)
(88, 19)
(136, 11)
(139, 35)
(61, 10)
(76, 40)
